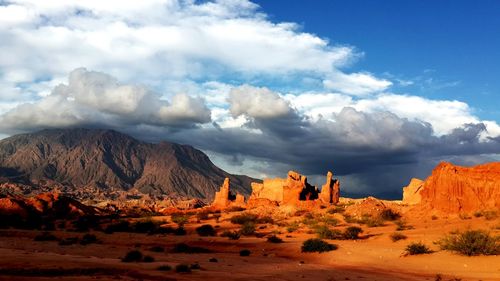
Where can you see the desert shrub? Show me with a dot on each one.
(235, 209)
(337, 209)
(88, 239)
(185, 248)
(180, 231)
(417, 248)
(247, 229)
(120, 226)
(148, 259)
(292, 226)
(165, 267)
(195, 266)
(244, 218)
(352, 233)
(402, 225)
(145, 226)
(68, 241)
(274, 239)
(216, 217)
(180, 219)
(132, 256)
(245, 253)
(325, 232)
(85, 223)
(317, 245)
(471, 243)
(182, 268)
(396, 236)
(232, 235)
(266, 219)
(488, 215)
(389, 215)
(157, 249)
(464, 216)
(206, 230)
(45, 236)
(371, 221)
(434, 217)
(213, 260)
(201, 216)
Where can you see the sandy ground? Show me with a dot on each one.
(373, 258)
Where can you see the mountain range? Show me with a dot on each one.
(87, 161)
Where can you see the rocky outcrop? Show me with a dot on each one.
(295, 191)
(455, 189)
(224, 198)
(330, 191)
(92, 164)
(412, 192)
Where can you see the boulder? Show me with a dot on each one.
(412, 192)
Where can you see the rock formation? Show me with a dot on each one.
(412, 192)
(455, 189)
(330, 191)
(294, 191)
(224, 198)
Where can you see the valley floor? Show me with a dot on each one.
(373, 258)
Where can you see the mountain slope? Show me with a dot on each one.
(104, 160)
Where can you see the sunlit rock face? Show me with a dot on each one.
(412, 192)
(455, 189)
(224, 198)
(295, 191)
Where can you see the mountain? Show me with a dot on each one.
(91, 161)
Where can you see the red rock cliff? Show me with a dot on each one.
(455, 189)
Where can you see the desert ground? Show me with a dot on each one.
(374, 256)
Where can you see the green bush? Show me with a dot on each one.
(244, 218)
(201, 216)
(180, 231)
(88, 239)
(182, 268)
(185, 248)
(324, 232)
(165, 267)
(471, 243)
(317, 245)
(206, 230)
(120, 226)
(157, 249)
(352, 233)
(336, 209)
(402, 225)
(232, 235)
(45, 236)
(148, 259)
(247, 229)
(396, 236)
(274, 239)
(68, 241)
(132, 256)
(180, 219)
(245, 253)
(389, 215)
(292, 226)
(417, 248)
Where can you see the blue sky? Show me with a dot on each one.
(376, 91)
(454, 43)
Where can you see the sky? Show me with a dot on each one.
(377, 92)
